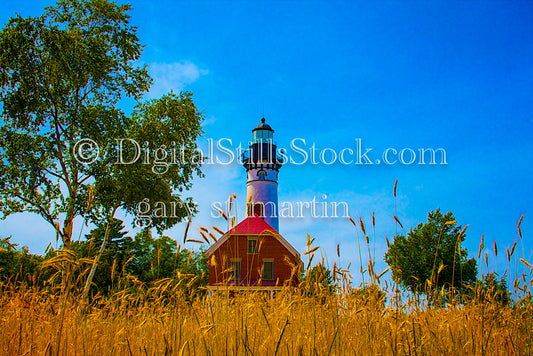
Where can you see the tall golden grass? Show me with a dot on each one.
(162, 320)
(169, 317)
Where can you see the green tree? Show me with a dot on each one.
(62, 75)
(153, 259)
(145, 257)
(114, 255)
(370, 294)
(18, 265)
(141, 263)
(432, 255)
(318, 280)
(490, 289)
(195, 263)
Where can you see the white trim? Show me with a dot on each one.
(226, 236)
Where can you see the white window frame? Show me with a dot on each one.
(268, 260)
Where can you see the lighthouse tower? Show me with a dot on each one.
(262, 166)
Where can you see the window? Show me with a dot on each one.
(262, 136)
(252, 246)
(268, 270)
(261, 175)
(235, 270)
(259, 210)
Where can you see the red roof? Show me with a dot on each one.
(251, 225)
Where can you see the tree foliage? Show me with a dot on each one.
(318, 280)
(114, 254)
(62, 76)
(143, 257)
(370, 295)
(490, 289)
(432, 256)
(143, 260)
(17, 265)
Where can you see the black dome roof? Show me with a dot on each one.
(263, 126)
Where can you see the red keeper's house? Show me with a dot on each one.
(253, 255)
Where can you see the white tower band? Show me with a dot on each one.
(262, 166)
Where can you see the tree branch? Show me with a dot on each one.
(43, 212)
(54, 174)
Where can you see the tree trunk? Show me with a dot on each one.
(97, 258)
(67, 231)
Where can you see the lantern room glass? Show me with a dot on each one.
(263, 136)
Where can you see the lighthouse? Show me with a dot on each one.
(262, 166)
(253, 255)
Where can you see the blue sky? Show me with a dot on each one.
(438, 74)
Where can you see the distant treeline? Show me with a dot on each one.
(125, 261)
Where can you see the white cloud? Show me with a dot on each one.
(210, 120)
(173, 76)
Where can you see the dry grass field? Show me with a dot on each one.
(164, 320)
(171, 317)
